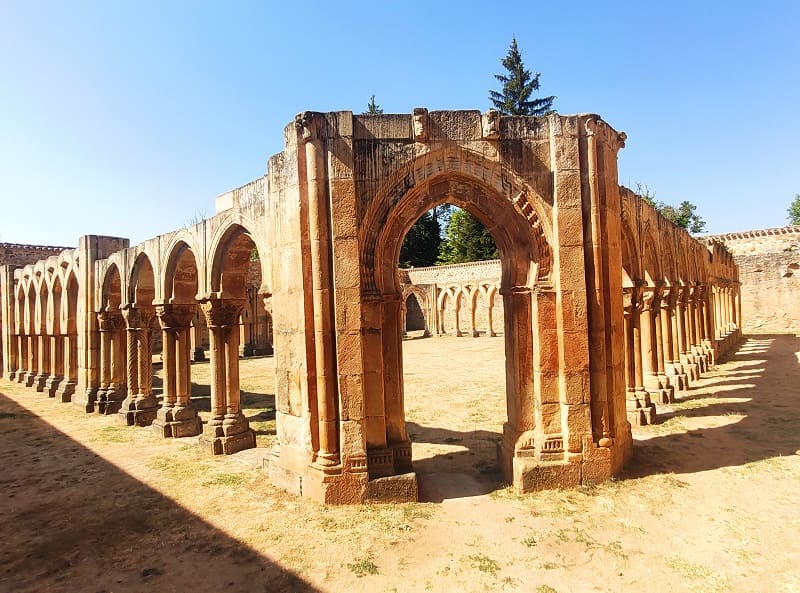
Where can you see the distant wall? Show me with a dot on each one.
(769, 270)
(19, 255)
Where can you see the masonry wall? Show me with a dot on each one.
(769, 270)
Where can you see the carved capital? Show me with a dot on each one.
(421, 124)
(490, 122)
(651, 297)
(222, 312)
(175, 316)
(631, 299)
(137, 318)
(309, 125)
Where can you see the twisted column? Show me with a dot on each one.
(139, 407)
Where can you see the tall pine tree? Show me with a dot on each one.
(518, 86)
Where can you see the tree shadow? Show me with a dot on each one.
(757, 421)
(89, 526)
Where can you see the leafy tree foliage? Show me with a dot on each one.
(518, 86)
(421, 245)
(466, 240)
(372, 107)
(684, 215)
(794, 210)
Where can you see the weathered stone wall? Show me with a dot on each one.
(19, 255)
(769, 270)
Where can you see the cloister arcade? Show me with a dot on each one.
(607, 310)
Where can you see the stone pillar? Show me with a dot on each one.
(33, 360)
(640, 409)
(56, 365)
(472, 306)
(139, 408)
(176, 417)
(490, 333)
(70, 351)
(104, 370)
(672, 364)
(684, 327)
(228, 430)
(319, 234)
(43, 362)
(112, 390)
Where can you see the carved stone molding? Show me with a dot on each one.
(173, 316)
(222, 312)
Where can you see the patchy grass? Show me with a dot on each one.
(363, 567)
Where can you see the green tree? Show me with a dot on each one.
(794, 210)
(372, 107)
(684, 215)
(466, 240)
(518, 86)
(421, 245)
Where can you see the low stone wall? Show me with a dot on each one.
(17, 254)
(769, 270)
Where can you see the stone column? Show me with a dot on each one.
(176, 417)
(56, 365)
(640, 408)
(672, 364)
(12, 368)
(70, 351)
(684, 326)
(707, 324)
(310, 126)
(140, 406)
(228, 430)
(33, 360)
(104, 327)
(490, 333)
(266, 298)
(472, 310)
(43, 363)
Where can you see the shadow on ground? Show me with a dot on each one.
(92, 527)
(765, 412)
(458, 474)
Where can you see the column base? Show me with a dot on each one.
(51, 386)
(29, 379)
(177, 421)
(228, 436)
(85, 399)
(65, 390)
(138, 411)
(39, 381)
(540, 468)
(109, 401)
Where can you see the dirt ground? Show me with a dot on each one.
(709, 503)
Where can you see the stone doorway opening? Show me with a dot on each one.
(460, 396)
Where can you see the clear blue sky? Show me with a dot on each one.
(128, 119)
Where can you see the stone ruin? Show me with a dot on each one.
(607, 308)
(769, 269)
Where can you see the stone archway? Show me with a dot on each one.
(528, 300)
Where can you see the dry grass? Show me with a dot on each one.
(116, 508)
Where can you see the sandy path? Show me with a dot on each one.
(710, 502)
